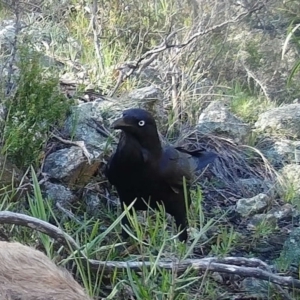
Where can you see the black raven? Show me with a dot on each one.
(141, 168)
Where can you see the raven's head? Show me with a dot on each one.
(139, 124)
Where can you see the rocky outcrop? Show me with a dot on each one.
(218, 120)
(284, 121)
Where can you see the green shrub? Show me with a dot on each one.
(33, 109)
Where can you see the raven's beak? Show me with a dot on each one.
(120, 124)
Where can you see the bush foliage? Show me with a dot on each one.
(35, 107)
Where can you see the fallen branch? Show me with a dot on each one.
(245, 267)
(8, 217)
(201, 264)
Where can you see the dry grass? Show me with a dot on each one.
(235, 162)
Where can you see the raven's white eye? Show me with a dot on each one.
(141, 123)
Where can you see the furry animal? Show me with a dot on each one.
(28, 274)
(141, 168)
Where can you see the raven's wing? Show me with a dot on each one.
(199, 158)
(177, 163)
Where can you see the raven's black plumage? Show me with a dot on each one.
(142, 168)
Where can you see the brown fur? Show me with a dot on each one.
(28, 274)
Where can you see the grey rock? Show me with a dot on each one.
(147, 94)
(251, 186)
(76, 125)
(259, 219)
(280, 152)
(150, 74)
(70, 166)
(291, 248)
(217, 277)
(59, 194)
(60, 163)
(8, 33)
(273, 216)
(93, 203)
(93, 206)
(258, 289)
(284, 120)
(149, 98)
(284, 212)
(250, 206)
(217, 119)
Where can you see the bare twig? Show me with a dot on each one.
(202, 264)
(8, 217)
(141, 63)
(245, 267)
(101, 129)
(119, 82)
(76, 143)
(174, 94)
(257, 6)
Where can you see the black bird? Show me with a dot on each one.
(141, 168)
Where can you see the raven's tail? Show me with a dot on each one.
(201, 157)
(204, 158)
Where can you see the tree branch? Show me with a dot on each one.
(150, 55)
(8, 217)
(245, 267)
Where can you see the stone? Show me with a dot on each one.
(259, 219)
(149, 98)
(59, 194)
(281, 152)
(70, 166)
(258, 289)
(284, 212)
(250, 206)
(76, 125)
(93, 204)
(217, 119)
(291, 248)
(251, 186)
(284, 120)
